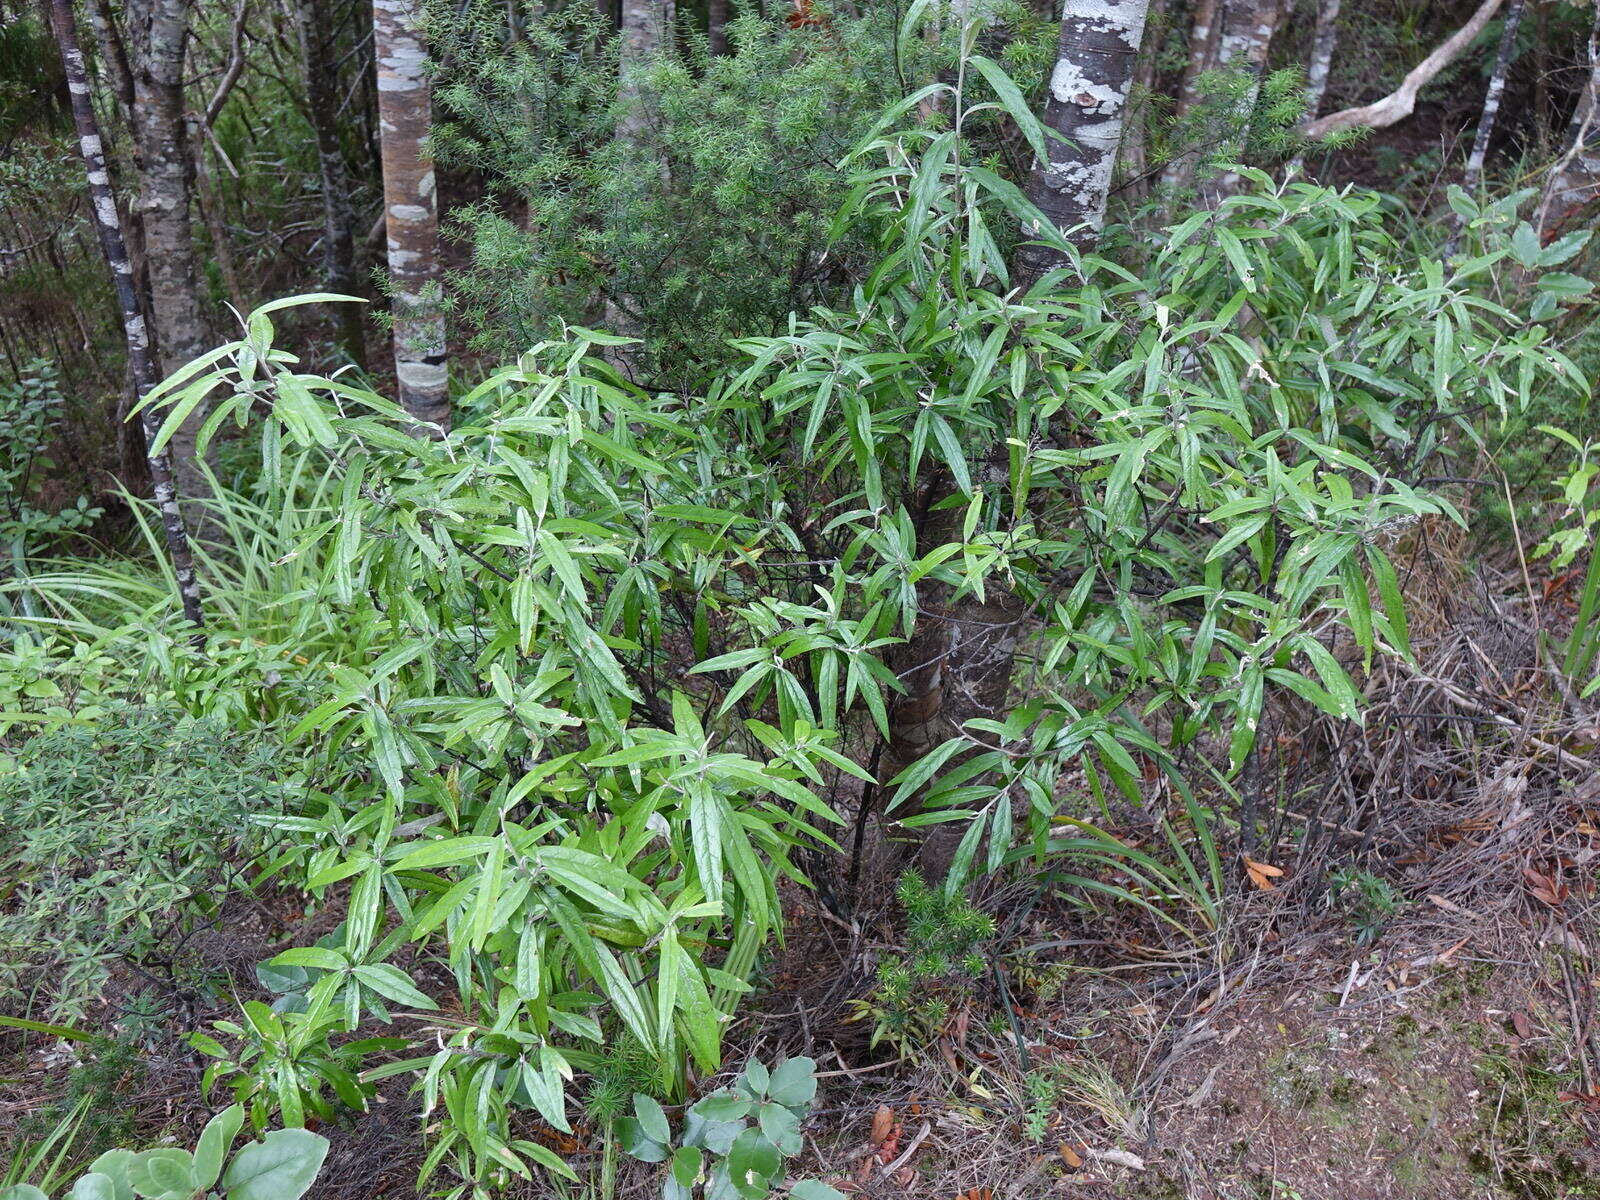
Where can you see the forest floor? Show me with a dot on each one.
(1453, 1056)
(1449, 1059)
(1441, 1045)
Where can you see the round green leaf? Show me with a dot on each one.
(94, 1186)
(115, 1165)
(282, 1166)
(651, 1118)
(166, 1173)
(794, 1082)
(686, 1165)
(753, 1163)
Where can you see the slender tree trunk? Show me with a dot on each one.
(1541, 77)
(959, 662)
(1323, 45)
(165, 207)
(410, 201)
(113, 55)
(210, 204)
(108, 222)
(644, 33)
(1227, 35)
(1095, 60)
(314, 26)
(1202, 54)
(1247, 29)
(114, 61)
(645, 26)
(1491, 99)
(1573, 183)
(1135, 158)
(717, 26)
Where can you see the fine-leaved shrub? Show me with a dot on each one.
(118, 836)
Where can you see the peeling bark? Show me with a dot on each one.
(1246, 39)
(1095, 61)
(1227, 35)
(1491, 99)
(405, 114)
(314, 25)
(166, 203)
(1402, 102)
(1573, 184)
(1202, 54)
(1322, 47)
(108, 224)
(1135, 157)
(645, 30)
(1323, 43)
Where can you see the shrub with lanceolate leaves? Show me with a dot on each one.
(607, 657)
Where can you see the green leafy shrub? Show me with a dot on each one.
(1368, 901)
(1574, 535)
(51, 680)
(591, 661)
(117, 836)
(282, 1166)
(941, 963)
(748, 141)
(615, 1076)
(30, 409)
(106, 1070)
(733, 1141)
(1044, 1093)
(731, 161)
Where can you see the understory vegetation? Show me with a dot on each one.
(864, 668)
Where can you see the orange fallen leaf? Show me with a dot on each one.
(1071, 1157)
(882, 1123)
(889, 1148)
(1262, 874)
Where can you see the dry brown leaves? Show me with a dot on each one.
(1262, 874)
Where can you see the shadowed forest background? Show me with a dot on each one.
(947, 599)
